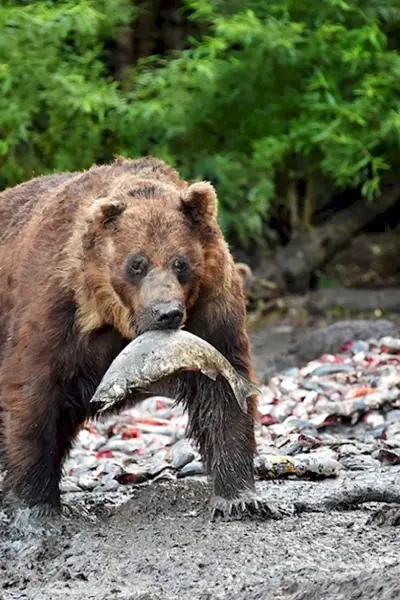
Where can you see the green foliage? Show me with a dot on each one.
(58, 108)
(272, 94)
(277, 91)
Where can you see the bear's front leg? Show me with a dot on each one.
(38, 429)
(31, 452)
(224, 433)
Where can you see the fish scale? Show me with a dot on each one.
(155, 355)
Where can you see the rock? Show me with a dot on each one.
(182, 453)
(328, 340)
(193, 468)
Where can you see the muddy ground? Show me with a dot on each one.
(157, 543)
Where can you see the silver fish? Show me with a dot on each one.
(157, 354)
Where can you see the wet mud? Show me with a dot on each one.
(155, 541)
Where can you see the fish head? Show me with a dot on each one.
(156, 252)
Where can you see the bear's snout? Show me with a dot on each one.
(168, 315)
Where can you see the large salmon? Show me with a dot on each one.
(158, 354)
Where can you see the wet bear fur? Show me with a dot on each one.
(87, 260)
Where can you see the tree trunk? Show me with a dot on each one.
(294, 265)
(354, 300)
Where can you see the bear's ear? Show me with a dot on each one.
(107, 210)
(200, 203)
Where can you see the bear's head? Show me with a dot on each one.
(144, 254)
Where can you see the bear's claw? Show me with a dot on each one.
(247, 507)
(79, 512)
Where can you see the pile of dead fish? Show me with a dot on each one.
(339, 412)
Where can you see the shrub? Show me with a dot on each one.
(58, 109)
(274, 102)
(275, 94)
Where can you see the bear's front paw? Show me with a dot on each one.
(247, 506)
(77, 512)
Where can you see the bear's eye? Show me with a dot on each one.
(180, 265)
(181, 268)
(137, 266)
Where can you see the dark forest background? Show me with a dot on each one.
(290, 107)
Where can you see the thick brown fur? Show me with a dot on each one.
(69, 304)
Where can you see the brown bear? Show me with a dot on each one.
(87, 262)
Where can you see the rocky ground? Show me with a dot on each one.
(154, 541)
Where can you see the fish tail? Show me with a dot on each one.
(249, 388)
(244, 389)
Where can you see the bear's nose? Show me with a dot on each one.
(168, 315)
